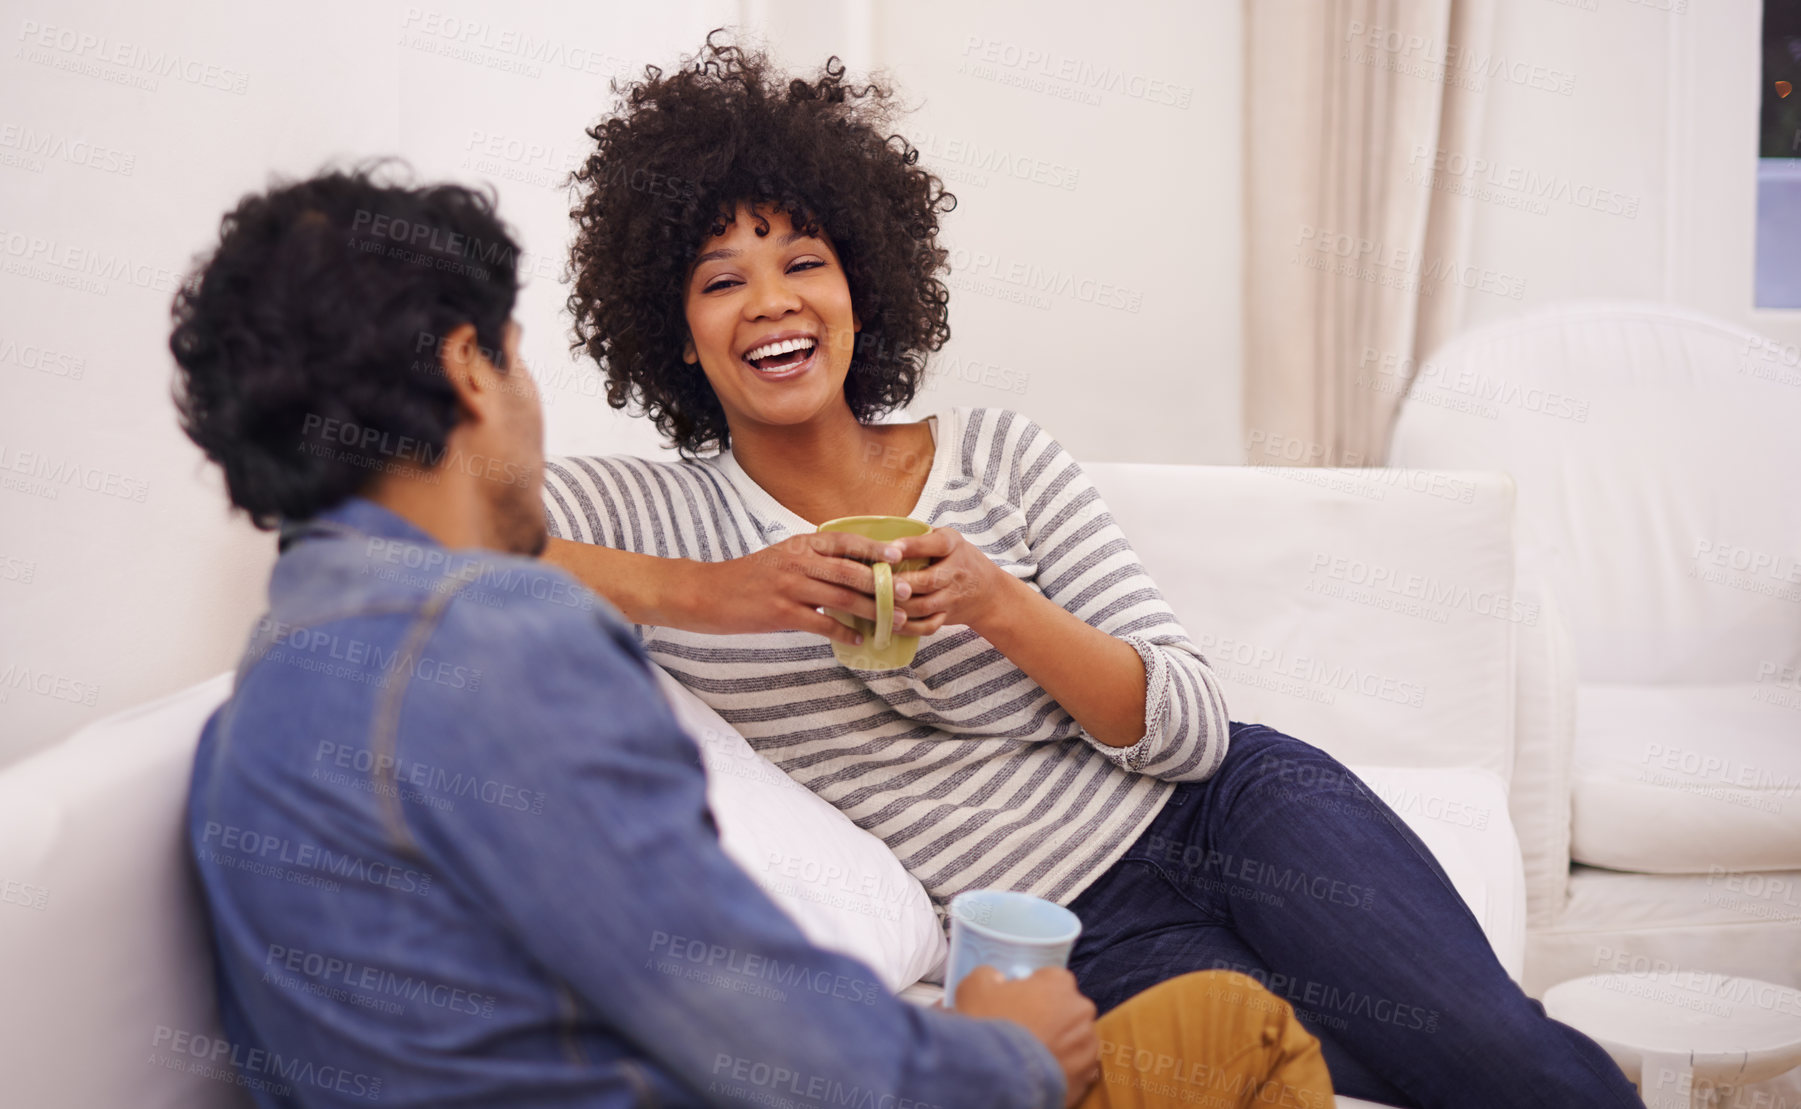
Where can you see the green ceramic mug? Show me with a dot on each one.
(881, 649)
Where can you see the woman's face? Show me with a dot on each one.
(770, 320)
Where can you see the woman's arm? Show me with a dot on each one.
(1093, 609)
(1097, 678)
(644, 588)
(779, 588)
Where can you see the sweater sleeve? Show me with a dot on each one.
(1086, 565)
(583, 501)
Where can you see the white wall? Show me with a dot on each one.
(111, 177)
(1662, 116)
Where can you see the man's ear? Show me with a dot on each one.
(462, 359)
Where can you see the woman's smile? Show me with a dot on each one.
(782, 356)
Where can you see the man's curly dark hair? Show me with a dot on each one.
(307, 344)
(670, 167)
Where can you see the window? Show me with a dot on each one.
(1779, 159)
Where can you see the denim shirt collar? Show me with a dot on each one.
(357, 514)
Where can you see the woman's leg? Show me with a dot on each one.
(1210, 1040)
(1138, 930)
(1346, 914)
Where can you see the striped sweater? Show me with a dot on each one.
(969, 771)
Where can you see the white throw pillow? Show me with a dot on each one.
(840, 884)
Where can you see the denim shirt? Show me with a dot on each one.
(456, 852)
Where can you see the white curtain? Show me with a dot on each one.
(1354, 263)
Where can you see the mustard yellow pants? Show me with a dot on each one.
(1213, 1039)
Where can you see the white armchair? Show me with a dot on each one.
(1658, 456)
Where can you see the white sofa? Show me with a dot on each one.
(1374, 613)
(1658, 456)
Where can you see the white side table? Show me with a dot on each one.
(1684, 1036)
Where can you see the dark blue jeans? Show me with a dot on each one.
(1284, 866)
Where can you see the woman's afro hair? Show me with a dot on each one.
(670, 168)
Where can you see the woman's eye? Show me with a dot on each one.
(810, 263)
(717, 284)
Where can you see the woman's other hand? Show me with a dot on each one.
(961, 586)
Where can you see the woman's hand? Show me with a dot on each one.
(782, 587)
(961, 586)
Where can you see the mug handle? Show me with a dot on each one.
(884, 605)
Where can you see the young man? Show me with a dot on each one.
(447, 829)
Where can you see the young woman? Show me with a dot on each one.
(756, 269)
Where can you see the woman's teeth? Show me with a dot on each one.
(780, 355)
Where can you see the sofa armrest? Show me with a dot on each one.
(1545, 739)
(1368, 612)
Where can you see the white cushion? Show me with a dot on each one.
(110, 976)
(1368, 612)
(839, 883)
(1683, 779)
(1659, 473)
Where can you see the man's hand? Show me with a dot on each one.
(1050, 1007)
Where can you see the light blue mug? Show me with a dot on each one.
(1015, 933)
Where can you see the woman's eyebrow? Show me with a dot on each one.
(732, 252)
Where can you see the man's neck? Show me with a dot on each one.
(446, 509)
